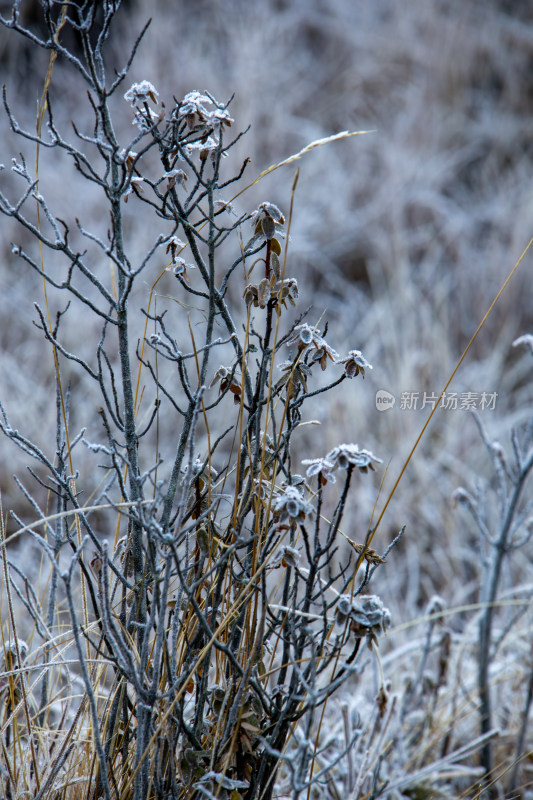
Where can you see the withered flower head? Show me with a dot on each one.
(291, 505)
(321, 467)
(367, 615)
(355, 363)
(345, 455)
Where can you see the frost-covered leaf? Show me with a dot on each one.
(275, 265)
(268, 226)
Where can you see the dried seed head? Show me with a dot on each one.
(290, 504)
(321, 467)
(345, 455)
(435, 606)
(286, 557)
(140, 93)
(367, 614)
(202, 113)
(355, 363)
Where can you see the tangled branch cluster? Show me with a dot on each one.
(217, 609)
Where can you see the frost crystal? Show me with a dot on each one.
(195, 110)
(367, 615)
(308, 338)
(140, 93)
(286, 556)
(526, 339)
(175, 176)
(345, 455)
(341, 457)
(355, 363)
(267, 211)
(225, 205)
(179, 266)
(175, 243)
(304, 335)
(126, 156)
(144, 119)
(134, 187)
(267, 221)
(205, 148)
(291, 505)
(322, 467)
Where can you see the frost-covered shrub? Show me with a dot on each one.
(194, 588)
